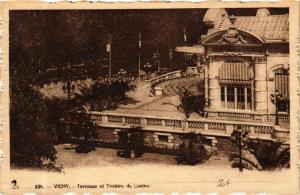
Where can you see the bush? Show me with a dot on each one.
(192, 151)
(131, 141)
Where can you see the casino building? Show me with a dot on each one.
(247, 65)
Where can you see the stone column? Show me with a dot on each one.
(260, 84)
(214, 88)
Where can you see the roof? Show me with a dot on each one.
(195, 49)
(267, 27)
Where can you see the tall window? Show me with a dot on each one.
(230, 97)
(282, 86)
(223, 96)
(249, 98)
(236, 97)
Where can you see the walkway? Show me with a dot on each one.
(165, 105)
(174, 87)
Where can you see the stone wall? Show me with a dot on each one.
(167, 142)
(107, 136)
(225, 146)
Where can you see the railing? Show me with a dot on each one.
(170, 75)
(164, 124)
(250, 116)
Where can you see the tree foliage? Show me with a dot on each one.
(32, 136)
(192, 150)
(54, 38)
(270, 154)
(131, 141)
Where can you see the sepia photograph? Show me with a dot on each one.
(177, 93)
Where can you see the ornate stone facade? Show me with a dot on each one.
(242, 61)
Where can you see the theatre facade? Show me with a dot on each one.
(247, 66)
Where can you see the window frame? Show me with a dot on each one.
(232, 97)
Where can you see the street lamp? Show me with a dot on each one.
(147, 67)
(156, 61)
(276, 99)
(122, 72)
(239, 136)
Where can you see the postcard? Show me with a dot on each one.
(149, 97)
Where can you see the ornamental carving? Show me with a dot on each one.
(232, 36)
(260, 60)
(250, 71)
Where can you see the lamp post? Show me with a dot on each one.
(139, 63)
(156, 61)
(68, 86)
(239, 137)
(147, 67)
(108, 50)
(122, 83)
(185, 43)
(122, 72)
(276, 99)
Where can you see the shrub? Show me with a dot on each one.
(192, 151)
(131, 141)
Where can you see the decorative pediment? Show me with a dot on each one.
(232, 36)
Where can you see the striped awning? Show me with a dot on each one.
(234, 72)
(282, 85)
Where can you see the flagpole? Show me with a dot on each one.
(140, 47)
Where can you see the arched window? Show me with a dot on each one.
(235, 81)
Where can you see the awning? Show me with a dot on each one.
(234, 72)
(192, 50)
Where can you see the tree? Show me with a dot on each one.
(87, 129)
(270, 154)
(32, 138)
(267, 155)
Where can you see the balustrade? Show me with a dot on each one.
(217, 127)
(115, 119)
(173, 123)
(154, 122)
(96, 117)
(165, 124)
(133, 120)
(263, 130)
(235, 115)
(168, 76)
(196, 125)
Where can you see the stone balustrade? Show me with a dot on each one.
(247, 115)
(170, 76)
(170, 125)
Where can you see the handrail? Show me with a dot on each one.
(168, 76)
